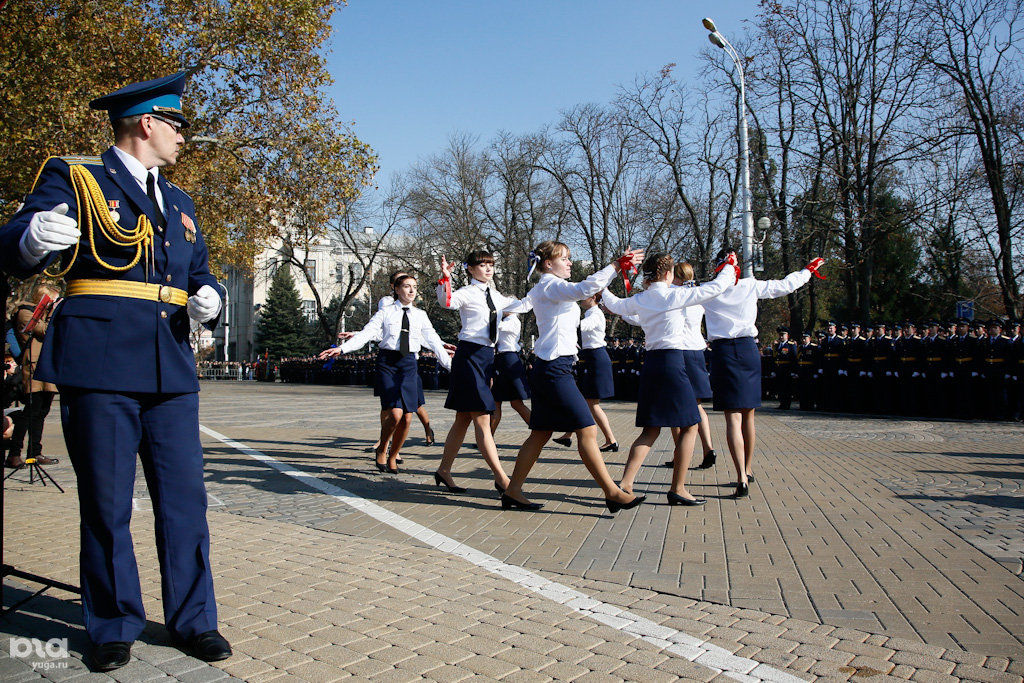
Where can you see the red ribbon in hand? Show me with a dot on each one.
(729, 260)
(626, 267)
(447, 282)
(813, 267)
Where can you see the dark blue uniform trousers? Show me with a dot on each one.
(103, 432)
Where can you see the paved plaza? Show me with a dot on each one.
(869, 549)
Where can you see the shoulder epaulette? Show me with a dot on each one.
(77, 159)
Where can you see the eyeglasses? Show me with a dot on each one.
(176, 125)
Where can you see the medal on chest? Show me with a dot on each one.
(190, 228)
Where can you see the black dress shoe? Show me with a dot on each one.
(676, 499)
(750, 478)
(381, 467)
(429, 432)
(510, 503)
(439, 480)
(610, 448)
(393, 470)
(742, 491)
(110, 656)
(498, 488)
(709, 460)
(563, 442)
(614, 506)
(210, 646)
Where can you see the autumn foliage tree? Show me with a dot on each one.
(264, 136)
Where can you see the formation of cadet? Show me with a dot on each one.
(954, 369)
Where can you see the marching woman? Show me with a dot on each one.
(596, 380)
(666, 397)
(694, 347)
(735, 361)
(510, 381)
(558, 404)
(421, 412)
(469, 394)
(402, 329)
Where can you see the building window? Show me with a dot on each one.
(311, 269)
(309, 309)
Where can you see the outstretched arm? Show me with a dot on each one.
(773, 289)
(680, 297)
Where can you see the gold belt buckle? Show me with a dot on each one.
(164, 294)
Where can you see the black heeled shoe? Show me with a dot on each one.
(451, 487)
(381, 467)
(676, 499)
(742, 491)
(750, 478)
(510, 503)
(393, 470)
(429, 435)
(709, 460)
(498, 488)
(614, 506)
(610, 448)
(563, 442)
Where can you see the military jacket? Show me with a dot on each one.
(114, 343)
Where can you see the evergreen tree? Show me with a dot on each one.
(282, 329)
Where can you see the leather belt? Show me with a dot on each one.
(128, 289)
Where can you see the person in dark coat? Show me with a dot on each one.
(118, 349)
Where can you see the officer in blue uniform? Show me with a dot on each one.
(128, 244)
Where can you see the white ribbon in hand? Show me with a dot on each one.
(204, 305)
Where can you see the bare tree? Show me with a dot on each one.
(975, 47)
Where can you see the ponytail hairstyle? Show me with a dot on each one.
(656, 265)
(684, 271)
(725, 251)
(545, 251)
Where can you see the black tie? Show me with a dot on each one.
(492, 322)
(403, 338)
(151, 191)
(579, 335)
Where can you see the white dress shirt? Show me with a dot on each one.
(733, 315)
(471, 303)
(386, 327)
(659, 308)
(140, 173)
(592, 328)
(558, 314)
(693, 338)
(509, 331)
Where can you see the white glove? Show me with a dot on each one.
(49, 231)
(204, 305)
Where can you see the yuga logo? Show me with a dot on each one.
(54, 648)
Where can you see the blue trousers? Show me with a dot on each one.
(103, 432)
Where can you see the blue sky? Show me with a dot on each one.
(409, 73)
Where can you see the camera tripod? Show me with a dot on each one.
(36, 470)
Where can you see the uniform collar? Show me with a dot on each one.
(135, 167)
(399, 304)
(478, 283)
(659, 285)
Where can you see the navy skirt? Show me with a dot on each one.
(558, 405)
(735, 374)
(397, 381)
(595, 374)
(469, 388)
(510, 383)
(697, 371)
(665, 398)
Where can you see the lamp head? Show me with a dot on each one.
(709, 24)
(716, 40)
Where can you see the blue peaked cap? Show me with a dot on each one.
(161, 96)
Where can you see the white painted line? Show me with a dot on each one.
(694, 649)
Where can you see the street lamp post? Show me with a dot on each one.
(718, 40)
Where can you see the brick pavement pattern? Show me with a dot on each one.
(864, 552)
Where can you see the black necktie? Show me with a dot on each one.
(492, 322)
(151, 191)
(579, 335)
(403, 338)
